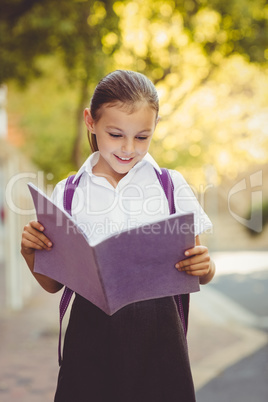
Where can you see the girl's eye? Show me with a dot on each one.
(114, 135)
(142, 138)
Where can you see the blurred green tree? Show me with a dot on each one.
(208, 60)
(83, 34)
(240, 26)
(189, 48)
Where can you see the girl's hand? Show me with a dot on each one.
(198, 263)
(34, 239)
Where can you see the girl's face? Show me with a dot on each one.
(123, 138)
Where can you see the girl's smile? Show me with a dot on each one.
(123, 160)
(123, 138)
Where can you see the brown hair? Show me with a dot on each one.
(123, 86)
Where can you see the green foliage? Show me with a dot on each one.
(213, 102)
(46, 114)
(76, 32)
(227, 27)
(30, 28)
(207, 59)
(246, 25)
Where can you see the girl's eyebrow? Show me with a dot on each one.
(114, 128)
(148, 130)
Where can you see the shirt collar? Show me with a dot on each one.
(87, 165)
(149, 159)
(93, 159)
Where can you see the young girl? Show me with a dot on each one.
(138, 354)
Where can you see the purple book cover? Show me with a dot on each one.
(129, 266)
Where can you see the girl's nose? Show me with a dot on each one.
(128, 146)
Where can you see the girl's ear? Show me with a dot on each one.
(157, 120)
(89, 120)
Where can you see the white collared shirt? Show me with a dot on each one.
(101, 210)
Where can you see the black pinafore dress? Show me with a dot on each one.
(139, 354)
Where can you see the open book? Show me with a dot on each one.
(129, 266)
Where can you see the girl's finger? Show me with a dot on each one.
(196, 250)
(43, 243)
(39, 237)
(197, 269)
(197, 273)
(37, 225)
(184, 264)
(29, 229)
(28, 244)
(193, 267)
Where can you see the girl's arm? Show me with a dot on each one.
(198, 263)
(33, 239)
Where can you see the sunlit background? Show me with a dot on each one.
(209, 62)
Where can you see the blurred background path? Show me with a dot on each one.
(228, 337)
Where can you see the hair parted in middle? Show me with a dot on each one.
(121, 86)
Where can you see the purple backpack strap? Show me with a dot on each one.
(182, 301)
(67, 293)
